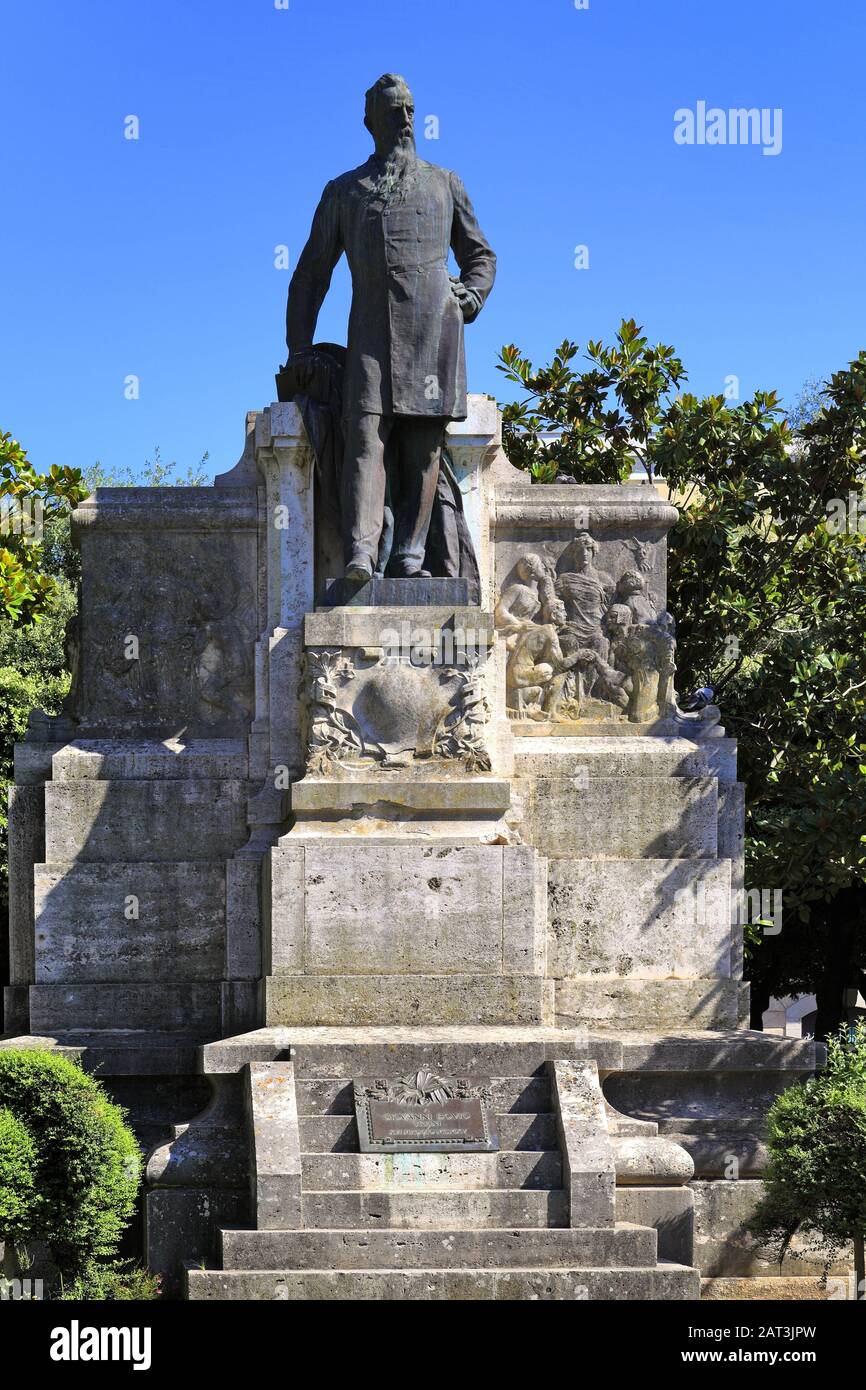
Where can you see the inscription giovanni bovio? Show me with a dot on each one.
(424, 1112)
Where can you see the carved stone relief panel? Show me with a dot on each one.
(587, 643)
(167, 634)
(385, 709)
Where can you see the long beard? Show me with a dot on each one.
(398, 176)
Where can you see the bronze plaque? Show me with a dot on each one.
(424, 1113)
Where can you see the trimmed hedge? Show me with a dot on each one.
(17, 1177)
(83, 1161)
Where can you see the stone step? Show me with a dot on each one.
(435, 1210)
(551, 1247)
(178, 1007)
(666, 1282)
(517, 1095)
(618, 818)
(325, 1053)
(157, 820)
(339, 1134)
(338, 1000)
(413, 1171)
(84, 931)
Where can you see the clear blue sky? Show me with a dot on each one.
(155, 257)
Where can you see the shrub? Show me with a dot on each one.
(116, 1282)
(17, 1181)
(815, 1182)
(84, 1160)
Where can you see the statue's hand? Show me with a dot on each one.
(468, 300)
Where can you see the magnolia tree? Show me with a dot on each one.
(767, 578)
(28, 501)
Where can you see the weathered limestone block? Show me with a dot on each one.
(665, 1282)
(371, 1000)
(588, 1154)
(669, 1209)
(710, 1094)
(274, 1145)
(124, 821)
(723, 1246)
(614, 818)
(26, 834)
(591, 755)
(128, 922)
(401, 798)
(322, 1053)
(130, 759)
(244, 921)
(342, 908)
(524, 911)
(556, 1247)
(166, 1006)
(758, 1288)
(427, 1210)
(652, 918)
(386, 909)
(167, 635)
(449, 1172)
(732, 831)
(646, 1005)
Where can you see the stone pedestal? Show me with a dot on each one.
(288, 834)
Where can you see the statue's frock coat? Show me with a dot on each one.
(405, 348)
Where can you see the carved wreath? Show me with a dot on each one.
(422, 1087)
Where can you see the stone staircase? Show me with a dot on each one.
(502, 1225)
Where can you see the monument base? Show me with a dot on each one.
(608, 1182)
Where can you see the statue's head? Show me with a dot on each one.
(584, 547)
(631, 583)
(389, 111)
(618, 620)
(530, 567)
(555, 613)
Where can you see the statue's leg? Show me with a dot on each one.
(553, 696)
(414, 475)
(363, 489)
(442, 552)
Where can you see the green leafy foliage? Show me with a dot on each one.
(602, 420)
(116, 1281)
(815, 1181)
(17, 1176)
(153, 473)
(84, 1160)
(770, 602)
(26, 589)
